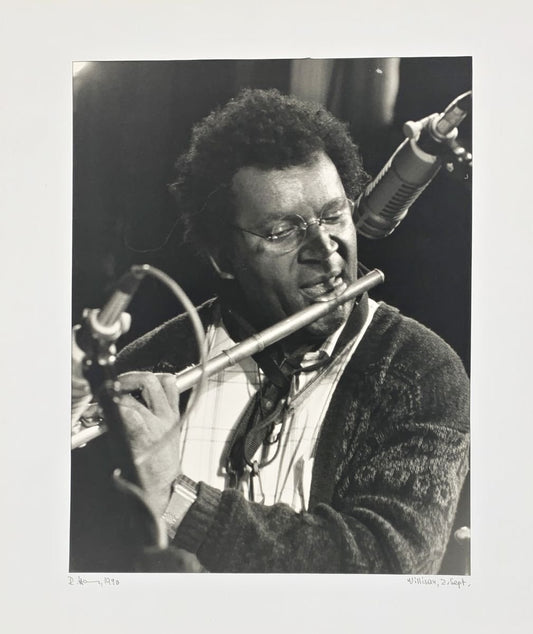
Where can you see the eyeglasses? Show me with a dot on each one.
(289, 233)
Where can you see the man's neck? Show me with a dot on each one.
(301, 343)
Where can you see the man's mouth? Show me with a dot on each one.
(325, 289)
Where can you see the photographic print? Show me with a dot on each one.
(271, 291)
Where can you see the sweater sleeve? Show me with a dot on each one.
(400, 449)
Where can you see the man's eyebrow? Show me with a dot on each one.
(334, 202)
(266, 221)
(331, 204)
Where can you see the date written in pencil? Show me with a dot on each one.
(83, 581)
(457, 582)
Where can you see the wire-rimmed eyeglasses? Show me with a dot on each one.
(289, 233)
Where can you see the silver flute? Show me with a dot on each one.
(188, 378)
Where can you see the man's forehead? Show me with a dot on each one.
(277, 190)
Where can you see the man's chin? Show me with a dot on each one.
(325, 326)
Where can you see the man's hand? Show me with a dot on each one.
(154, 414)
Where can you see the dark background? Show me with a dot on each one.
(132, 120)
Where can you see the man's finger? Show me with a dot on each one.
(152, 391)
(170, 387)
(135, 422)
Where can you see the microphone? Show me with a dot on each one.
(109, 323)
(387, 199)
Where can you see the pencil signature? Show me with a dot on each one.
(83, 581)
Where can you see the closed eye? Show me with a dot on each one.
(331, 217)
(282, 232)
(336, 213)
(286, 228)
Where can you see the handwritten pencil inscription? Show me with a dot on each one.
(83, 581)
(438, 582)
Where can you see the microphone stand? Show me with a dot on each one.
(100, 372)
(98, 344)
(96, 339)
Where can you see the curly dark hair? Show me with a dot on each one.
(262, 129)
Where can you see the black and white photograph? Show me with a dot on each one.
(312, 413)
(266, 307)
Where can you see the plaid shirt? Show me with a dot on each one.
(208, 428)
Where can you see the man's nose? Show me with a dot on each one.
(318, 243)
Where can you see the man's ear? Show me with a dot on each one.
(224, 275)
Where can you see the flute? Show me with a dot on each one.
(189, 377)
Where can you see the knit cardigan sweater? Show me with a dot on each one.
(390, 462)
